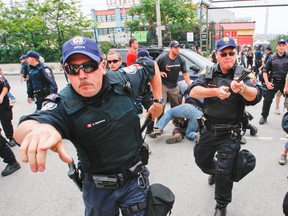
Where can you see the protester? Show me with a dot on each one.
(131, 55)
(170, 65)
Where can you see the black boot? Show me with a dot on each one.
(253, 129)
(211, 179)
(220, 210)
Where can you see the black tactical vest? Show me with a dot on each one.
(107, 136)
(279, 66)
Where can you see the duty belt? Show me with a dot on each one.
(113, 181)
(39, 93)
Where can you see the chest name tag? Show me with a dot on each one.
(94, 123)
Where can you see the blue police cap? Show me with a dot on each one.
(143, 53)
(174, 44)
(81, 45)
(32, 54)
(268, 47)
(224, 43)
(23, 57)
(281, 41)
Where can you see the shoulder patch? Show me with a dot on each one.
(52, 97)
(49, 106)
(132, 68)
(2, 78)
(48, 72)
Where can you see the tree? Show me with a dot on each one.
(39, 25)
(177, 15)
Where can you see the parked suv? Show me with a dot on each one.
(194, 62)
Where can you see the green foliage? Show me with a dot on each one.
(39, 25)
(105, 47)
(177, 16)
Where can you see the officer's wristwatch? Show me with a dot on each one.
(159, 100)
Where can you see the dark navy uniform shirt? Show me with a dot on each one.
(41, 78)
(105, 128)
(225, 111)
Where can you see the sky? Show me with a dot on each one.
(276, 16)
(277, 19)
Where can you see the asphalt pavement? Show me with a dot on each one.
(52, 193)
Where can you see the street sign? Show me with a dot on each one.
(190, 36)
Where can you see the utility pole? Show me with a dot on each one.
(159, 28)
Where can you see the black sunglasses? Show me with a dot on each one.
(87, 67)
(114, 61)
(229, 53)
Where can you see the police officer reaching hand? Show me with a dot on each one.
(225, 97)
(96, 112)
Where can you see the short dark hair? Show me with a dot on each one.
(131, 41)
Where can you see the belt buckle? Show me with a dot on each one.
(107, 182)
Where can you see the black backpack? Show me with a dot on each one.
(160, 200)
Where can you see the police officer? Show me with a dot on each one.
(224, 102)
(6, 114)
(8, 157)
(24, 71)
(259, 60)
(96, 112)
(278, 65)
(41, 80)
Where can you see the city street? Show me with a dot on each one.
(52, 193)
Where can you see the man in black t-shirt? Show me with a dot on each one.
(170, 64)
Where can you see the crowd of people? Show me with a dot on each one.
(98, 111)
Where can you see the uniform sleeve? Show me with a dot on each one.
(52, 114)
(49, 77)
(139, 75)
(258, 98)
(30, 91)
(268, 66)
(4, 82)
(200, 81)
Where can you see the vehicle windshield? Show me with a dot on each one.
(199, 60)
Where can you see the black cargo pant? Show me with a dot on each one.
(147, 101)
(6, 117)
(268, 99)
(5, 152)
(223, 168)
(39, 101)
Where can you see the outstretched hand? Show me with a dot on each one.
(36, 143)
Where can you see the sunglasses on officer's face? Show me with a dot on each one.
(114, 61)
(87, 67)
(229, 53)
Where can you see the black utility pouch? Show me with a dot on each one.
(144, 153)
(245, 163)
(160, 200)
(107, 182)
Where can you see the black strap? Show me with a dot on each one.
(133, 209)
